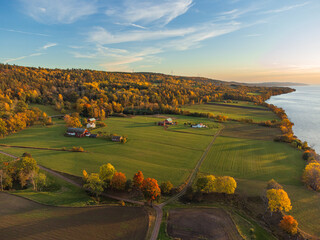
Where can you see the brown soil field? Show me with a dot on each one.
(23, 219)
(201, 223)
(249, 131)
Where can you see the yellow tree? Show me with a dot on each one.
(225, 184)
(311, 175)
(278, 200)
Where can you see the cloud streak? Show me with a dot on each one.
(286, 8)
(58, 11)
(49, 45)
(23, 32)
(22, 57)
(163, 11)
(102, 36)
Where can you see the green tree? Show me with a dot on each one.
(106, 173)
(166, 187)
(94, 184)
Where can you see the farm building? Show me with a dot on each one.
(166, 122)
(199, 125)
(77, 132)
(116, 138)
(91, 123)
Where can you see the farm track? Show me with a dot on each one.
(192, 176)
(157, 208)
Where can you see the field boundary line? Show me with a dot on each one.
(39, 148)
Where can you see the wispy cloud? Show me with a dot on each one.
(23, 32)
(203, 33)
(58, 11)
(133, 11)
(102, 36)
(49, 45)
(286, 8)
(22, 57)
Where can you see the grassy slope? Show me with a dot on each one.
(46, 108)
(159, 153)
(232, 112)
(24, 219)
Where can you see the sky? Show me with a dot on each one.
(232, 40)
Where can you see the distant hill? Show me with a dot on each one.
(276, 84)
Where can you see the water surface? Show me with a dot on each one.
(303, 109)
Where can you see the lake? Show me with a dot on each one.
(303, 109)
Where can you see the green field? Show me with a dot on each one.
(254, 162)
(49, 109)
(233, 112)
(254, 159)
(162, 154)
(4, 158)
(24, 219)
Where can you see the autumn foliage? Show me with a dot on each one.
(311, 175)
(210, 183)
(278, 200)
(118, 181)
(138, 180)
(289, 224)
(150, 189)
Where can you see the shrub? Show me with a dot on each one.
(77, 149)
(289, 224)
(166, 187)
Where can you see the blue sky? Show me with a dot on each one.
(242, 40)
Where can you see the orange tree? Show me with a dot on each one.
(289, 224)
(118, 181)
(138, 180)
(150, 189)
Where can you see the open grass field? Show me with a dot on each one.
(24, 219)
(254, 159)
(242, 104)
(254, 162)
(249, 131)
(158, 153)
(235, 112)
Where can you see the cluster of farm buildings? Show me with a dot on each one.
(83, 132)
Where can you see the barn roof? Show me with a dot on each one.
(76, 130)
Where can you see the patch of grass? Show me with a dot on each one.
(158, 153)
(5, 158)
(233, 112)
(48, 109)
(62, 193)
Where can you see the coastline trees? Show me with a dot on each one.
(311, 175)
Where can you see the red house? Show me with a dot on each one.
(77, 132)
